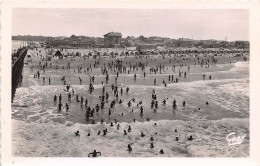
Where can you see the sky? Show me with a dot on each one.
(173, 23)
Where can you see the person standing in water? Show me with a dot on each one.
(55, 98)
(141, 111)
(67, 107)
(60, 98)
(60, 106)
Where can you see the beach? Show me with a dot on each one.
(39, 129)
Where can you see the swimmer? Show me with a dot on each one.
(94, 154)
(125, 133)
(190, 138)
(104, 132)
(141, 110)
(164, 101)
(151, 146)
(129, 148)
(183, 103)
(161, 151)
(129, 129)
(77, 133)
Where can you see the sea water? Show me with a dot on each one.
(40, 130)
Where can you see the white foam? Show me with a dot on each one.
(51, 139)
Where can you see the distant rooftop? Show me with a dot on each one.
(186, 39)
(113, 34)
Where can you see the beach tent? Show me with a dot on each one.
(77, 54)
(58, 54)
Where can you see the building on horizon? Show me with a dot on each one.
(71, 42)
(184, 42)
(155, 40)
(113, 39)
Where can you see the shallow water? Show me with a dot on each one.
(227, 94)
(38, 129)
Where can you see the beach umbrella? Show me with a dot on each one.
(104, 54)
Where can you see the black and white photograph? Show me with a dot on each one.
(130, 82)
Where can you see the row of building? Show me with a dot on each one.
(114, 39)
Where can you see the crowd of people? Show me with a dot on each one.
(110, 97)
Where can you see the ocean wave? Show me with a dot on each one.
(50, 139)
